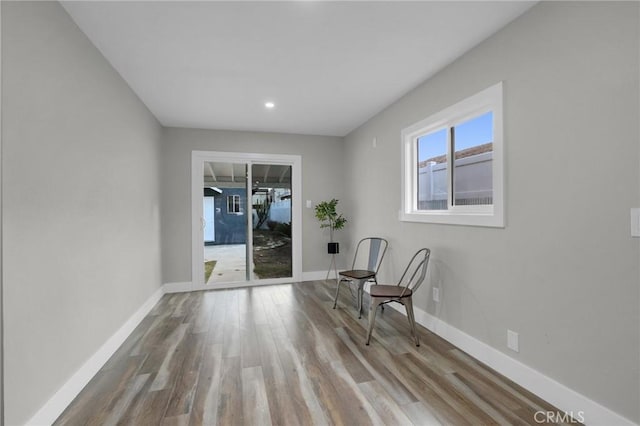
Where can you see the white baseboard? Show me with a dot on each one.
(181, 287)
(316, 276)
(52, 409)
(177, 287)
(545, 387)
(188, 286)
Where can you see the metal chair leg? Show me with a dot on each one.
(375, 302)
(412, 320)
(335, 300)
(360, 294)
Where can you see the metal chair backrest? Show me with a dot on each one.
(377, 249)
(416, 271)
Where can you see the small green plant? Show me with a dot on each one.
(328, 216)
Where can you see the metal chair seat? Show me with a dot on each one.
(391, 291)
(358, 274)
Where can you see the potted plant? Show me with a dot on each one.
(329, 218)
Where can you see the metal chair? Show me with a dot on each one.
(413, 275)
(367, 267)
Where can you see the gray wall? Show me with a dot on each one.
(322, 178)
(564, 272)
(81, 202)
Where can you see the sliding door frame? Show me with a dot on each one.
(198, 158)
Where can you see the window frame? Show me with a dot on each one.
(233, 198)
(489, 99)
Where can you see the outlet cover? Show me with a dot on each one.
(436, 294)
(512, 341)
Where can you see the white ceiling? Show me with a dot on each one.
(328, 66)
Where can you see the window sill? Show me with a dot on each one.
(484, 219)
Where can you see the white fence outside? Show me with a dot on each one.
(473, 182)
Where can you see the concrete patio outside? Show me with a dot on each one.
(231, 263)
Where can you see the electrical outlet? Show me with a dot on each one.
(436, 294)
(512, 341)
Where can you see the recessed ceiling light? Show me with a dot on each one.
(269, 105)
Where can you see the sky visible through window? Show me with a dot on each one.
(474, 132)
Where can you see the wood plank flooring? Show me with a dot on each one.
(280, 355)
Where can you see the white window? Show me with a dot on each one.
(452, 164)
(233, 204)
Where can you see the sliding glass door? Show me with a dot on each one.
(245, 219)
(271, 199)
(224, 223)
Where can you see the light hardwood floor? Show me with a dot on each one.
(281, 355)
